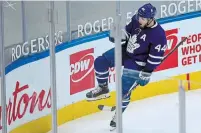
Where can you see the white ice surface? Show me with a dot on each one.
(152, 115)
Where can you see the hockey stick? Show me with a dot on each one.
(174, 48)
(165, 57)
(112, 108)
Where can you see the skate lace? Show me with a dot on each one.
(97, 90)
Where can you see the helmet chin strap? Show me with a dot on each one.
(149, 21)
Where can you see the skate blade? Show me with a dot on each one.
(106, 108)
(104, 96)
(112, 128)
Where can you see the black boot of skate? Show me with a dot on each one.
(101, 92)
(113, 123)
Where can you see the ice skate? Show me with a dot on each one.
(100, 92)
(113, 123)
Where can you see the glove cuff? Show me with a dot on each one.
(144, 75)
(147, 70)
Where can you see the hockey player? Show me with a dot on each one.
(142, 52)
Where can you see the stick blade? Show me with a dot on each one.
(112, 129)
(106, 108)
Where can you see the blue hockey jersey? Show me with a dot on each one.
(146, 46)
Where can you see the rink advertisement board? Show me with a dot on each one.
(189, 52)
(82, 71)
(28, 84)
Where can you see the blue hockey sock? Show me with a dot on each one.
(101, 66)
(127, 84)
(125, 103)
(102, 77)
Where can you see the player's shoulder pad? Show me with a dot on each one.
(158, 35)
(134, 20)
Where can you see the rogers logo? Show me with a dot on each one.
(172, 60)
(82, 71)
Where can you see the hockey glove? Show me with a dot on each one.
(144, 78)
(111, 39)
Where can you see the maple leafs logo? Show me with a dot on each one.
(132, 45)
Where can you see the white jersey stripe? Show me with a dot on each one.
(154, 63)
(156, 57)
